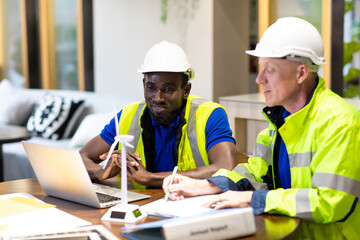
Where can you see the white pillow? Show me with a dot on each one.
(90, 127)
(15, 107)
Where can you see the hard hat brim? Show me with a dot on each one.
(190, 72)
(286, 52)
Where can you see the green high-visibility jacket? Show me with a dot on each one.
(323, 143)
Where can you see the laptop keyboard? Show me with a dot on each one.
(103, 198)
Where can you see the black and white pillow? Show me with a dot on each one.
(54, 117)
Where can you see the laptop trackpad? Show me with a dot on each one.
(132, 196)
(106, 190)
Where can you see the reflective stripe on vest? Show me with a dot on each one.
(243, 171)
(337, 182)
(191, 131)
(195, 102)
(272, 133)
(303, 209)
(263, 152)
(327, 180)
(134, 126)
(301, 159)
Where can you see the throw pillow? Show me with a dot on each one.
(90, 127)
(54, 117)
(15, 107)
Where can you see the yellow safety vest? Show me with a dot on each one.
(323, 143)
(192, 146)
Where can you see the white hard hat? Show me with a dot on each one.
(166, 57)
(291, 36)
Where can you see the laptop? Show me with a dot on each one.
(62, 174)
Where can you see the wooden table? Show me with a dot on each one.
(268, 227)
(10, 134)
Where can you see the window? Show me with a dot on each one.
(11, 66)
(47, 43)
(351, 70)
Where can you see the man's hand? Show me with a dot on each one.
(136, 171)
(131, 158)
(230, 199)
(188, 187)
(113, 166)
(139, 174)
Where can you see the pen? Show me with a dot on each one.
(172, 178)
(215, 204)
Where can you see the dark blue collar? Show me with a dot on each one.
(174, 124)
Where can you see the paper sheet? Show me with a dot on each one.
(23, 215)
(181, 208)
(19, 205)
(93, 232)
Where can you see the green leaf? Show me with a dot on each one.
(348, 6)
(349, 49)
(353, 73)
(351, 91)
(164, 6)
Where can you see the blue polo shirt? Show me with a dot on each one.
(217, 130)
(284, 163)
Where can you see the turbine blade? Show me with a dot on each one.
(104, 163)
(116, 120)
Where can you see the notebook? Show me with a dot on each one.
(62, 174)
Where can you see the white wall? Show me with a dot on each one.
(231, 39)
(125, 29)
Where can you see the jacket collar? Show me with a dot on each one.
(274, 114)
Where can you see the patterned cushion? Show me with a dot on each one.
(54, 117)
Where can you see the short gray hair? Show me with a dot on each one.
(307, 61)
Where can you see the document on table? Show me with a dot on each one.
(210, 225)
(23, 214)
(181, 208)
(93, 232)
(18, 204)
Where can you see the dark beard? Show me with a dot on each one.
(166, 120)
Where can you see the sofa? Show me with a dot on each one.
(34, 109)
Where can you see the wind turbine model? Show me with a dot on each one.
(117, 140)
(122, 212)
